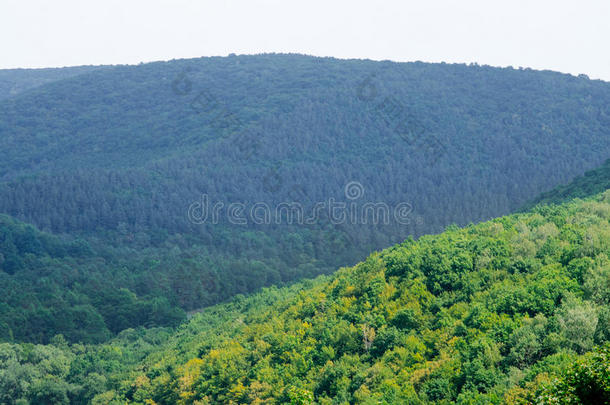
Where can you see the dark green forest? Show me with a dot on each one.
(100, 166)
(51, 286)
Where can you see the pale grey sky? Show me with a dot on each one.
(567, 36)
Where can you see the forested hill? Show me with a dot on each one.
(138, 144)
(119, 157)
(509, 310)
(592, 182)
(515, 310)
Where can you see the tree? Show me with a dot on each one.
(578, 321)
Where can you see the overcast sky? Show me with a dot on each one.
(567, 36)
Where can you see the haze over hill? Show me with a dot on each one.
(116, 158)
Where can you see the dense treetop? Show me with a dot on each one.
(486, 313)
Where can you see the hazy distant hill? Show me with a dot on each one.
(458, 142)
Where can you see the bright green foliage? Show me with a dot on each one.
(506, 325)
(587, 382)
(461, 317)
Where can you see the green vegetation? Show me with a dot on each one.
(88, 290)
(100, 264)
(111, 158)
(591, 183)
(585, 382)
(500, 312)
(52, 286)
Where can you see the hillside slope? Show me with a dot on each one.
(485, 314)
(125, 156)
(461, 316)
